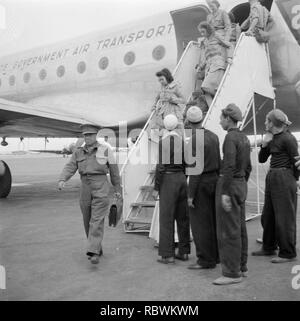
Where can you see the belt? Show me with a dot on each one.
(89, 175)
(210, 172)
(174, 172)
(222, 175)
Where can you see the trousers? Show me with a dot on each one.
(231, 229)
(203, 221)
(94, 205)
(279, 213)
(173, 206)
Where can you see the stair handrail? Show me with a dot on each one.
(137, 142)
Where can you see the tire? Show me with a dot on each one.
(5, 181)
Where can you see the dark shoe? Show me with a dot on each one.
(166, 260)
(95, 259)
(90, 254)
(263, 253)
(182, 257)
(282, 260)
(197, 266)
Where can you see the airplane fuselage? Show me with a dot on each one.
(110, 76)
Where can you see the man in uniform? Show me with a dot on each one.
(231, 195)
(171, 185)
(201, 193)
(280, 207)
(93, 161)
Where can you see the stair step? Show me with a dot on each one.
(147, 188)
(138, 221)
(144, 204)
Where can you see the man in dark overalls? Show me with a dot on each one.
(280, 206)
(231, 195)
(93, 162)
(202, 192)
(171, 185)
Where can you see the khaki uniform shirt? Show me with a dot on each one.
(96, 160)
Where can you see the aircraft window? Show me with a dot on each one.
(129, 58)
(158, 52)
(60, 71)
(103, 63)
(81, 67)
(43, 74)
(12, 80)
(26, 77)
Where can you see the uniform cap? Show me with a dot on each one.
(278, 117)
(194, 114)
(89, 129)
(233, 112)
(170, 122)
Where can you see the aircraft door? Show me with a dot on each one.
(185, 24)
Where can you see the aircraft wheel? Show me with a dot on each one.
(5, 180)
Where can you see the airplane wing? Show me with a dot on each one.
(21, 120)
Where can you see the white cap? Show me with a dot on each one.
(194, 114)
(170, 122)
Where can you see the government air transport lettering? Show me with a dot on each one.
(135, 36)
(82, 49)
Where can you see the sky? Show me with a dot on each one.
(25, 24)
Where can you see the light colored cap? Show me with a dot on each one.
(278, 117)
(170, 122)
(194, 114)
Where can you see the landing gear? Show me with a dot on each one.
(4, 142)
(5, 180)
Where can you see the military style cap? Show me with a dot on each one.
(278, 117)
(89, 129)
(194, 114)
(170, 122)
(233, 112)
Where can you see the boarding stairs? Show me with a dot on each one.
(249, 73)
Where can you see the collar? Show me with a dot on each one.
(92, 148)
(234, 129)
(171, 85)
(170, 133)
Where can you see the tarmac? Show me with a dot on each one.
(42, 247)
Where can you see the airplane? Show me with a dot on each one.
(109, 76)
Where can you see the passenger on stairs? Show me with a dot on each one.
(169, 100)
(235, 35)
(215, 60)
(259, 19)
(197, 99)
(219, 20)
(171, 185)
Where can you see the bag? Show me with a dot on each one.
(261, 36)
(115, 212)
